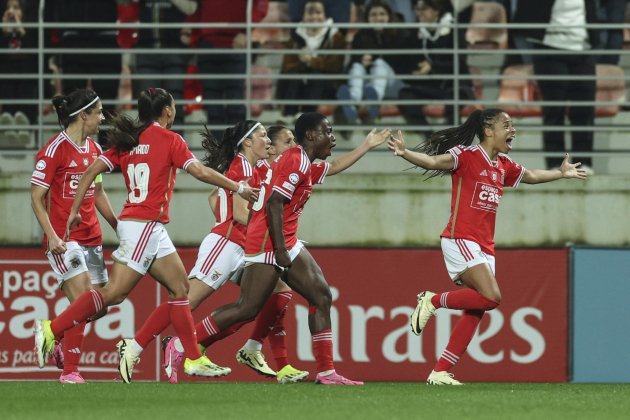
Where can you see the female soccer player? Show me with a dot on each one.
(148, 154)
(77, 261)
(271, 245)
(478, 174)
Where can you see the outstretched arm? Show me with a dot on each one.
(210, 176)
(566, 170)
(442, 162)
(373, 139)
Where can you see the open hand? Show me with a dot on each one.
(375, 138)
(397, 145)
(572, 170)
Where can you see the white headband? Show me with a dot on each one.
(85, 107)
(251, 130)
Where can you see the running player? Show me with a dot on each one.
(78, 260)
(272, 246)
(148, 154)
(478, 174)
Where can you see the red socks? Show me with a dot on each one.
(323, 350)
(86, 305)
(157, 322)
(208, 340)
(463, 299)
(271, 315)
(278, 346)
(181, 318)
(73, 343)
(460, 338)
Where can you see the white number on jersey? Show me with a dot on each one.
(261, 194)
(138, 182)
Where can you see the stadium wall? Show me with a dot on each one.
(381, 209)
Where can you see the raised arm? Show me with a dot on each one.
(442, 162)
(210, 176)
(566, 170)
(373, 140)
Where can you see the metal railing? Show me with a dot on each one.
(490, 79)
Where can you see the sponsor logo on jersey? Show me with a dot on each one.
(41, 165)
(70, 184)
(294, 178)
(72, 164)
(486, 197)
(215, 275)
(40, 175)
(147, 261)
(483, 173)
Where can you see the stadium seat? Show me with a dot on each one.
(524, 90)
(278, 12)
(611, 90)
(521, 90)
(483, 38)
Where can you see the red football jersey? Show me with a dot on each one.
(59, 168)
(150, 170)
(291, 174)
(477, 187)
(240, 170)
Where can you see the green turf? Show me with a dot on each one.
(195, 401)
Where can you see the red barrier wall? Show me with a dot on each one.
(523, 340)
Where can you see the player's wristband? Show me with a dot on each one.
(241, 187)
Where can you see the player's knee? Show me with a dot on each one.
(180, 290)
(492, 301)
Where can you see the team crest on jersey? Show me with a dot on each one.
(294, 178)
(86, 162)
(41, 165)
(74, 263)
(494, 176)
(215, 275)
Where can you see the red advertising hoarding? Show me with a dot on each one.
(524, 339)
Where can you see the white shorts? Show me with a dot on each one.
(270, 257)
(462, 254)
(78, 259)
(141, 243)
(217, 261)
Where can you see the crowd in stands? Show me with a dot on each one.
(302, 82)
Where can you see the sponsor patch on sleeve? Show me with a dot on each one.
(38, 174)
(41, 165)
(294, 178)
(288, 186)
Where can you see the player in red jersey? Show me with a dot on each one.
(148, 154)
(77, 261)
(478, 174)
(272, 246)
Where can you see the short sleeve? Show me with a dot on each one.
(45, 169)
(181, 155)
(111, 158)
(459, 156)
(513, 173)
(288, 175)
(319, 171)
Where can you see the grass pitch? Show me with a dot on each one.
(214, 400)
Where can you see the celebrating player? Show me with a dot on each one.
(478, 174)
(271, 245)
(148, 154)
(77, 261)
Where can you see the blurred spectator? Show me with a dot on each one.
(232, 36)
(427, 39)
(313, 41)
(570, 42)
(156, 12)
(337, 10)
(14, 39)
(377, 38)
(83, 64)
(611, 11)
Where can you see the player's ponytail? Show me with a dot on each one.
(69, 107)
(125, 132)
(221, 153)
(463, 135)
